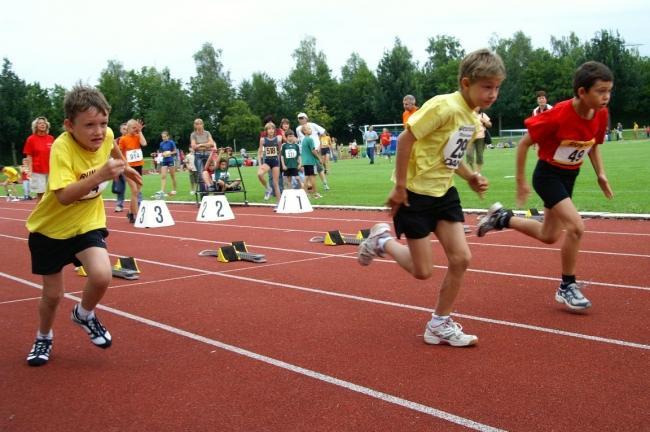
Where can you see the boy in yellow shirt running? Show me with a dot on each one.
(69, 224)
(10, 182)
(424, 199)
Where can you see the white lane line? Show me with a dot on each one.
(352, 255)
(366, 391)
(544, 248)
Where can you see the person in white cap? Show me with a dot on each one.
(316, 132)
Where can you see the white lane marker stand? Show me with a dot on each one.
(214, 208)
(153, 214)
(294, 201)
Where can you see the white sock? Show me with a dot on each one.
(83, 313)
(436, 320)
(382, 242)
(49, 335)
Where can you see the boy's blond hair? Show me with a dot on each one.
(480, 64)
(81, 98)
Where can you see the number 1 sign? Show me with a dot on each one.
(294, 201)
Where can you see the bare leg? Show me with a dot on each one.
(98, 267)
(50, 298)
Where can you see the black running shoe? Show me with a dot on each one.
(97, 332)
(131, 217)
(40, 353)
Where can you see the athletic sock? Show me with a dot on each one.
(49, 335)
(567, 280)
(436, 320)
(382, 242)
(83, 313)
(504, 219)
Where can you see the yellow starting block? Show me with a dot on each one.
(124, 268)
(237, 251)
(533, 213)
(335, 238)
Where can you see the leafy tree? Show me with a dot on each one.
(170, 110)
(309, 73)
(15, 124)
(440, 72)
(396, 77)
(358, 90)
(261, 95)
(118, 88)
(240, 126)
(318, 112)
(211, 90)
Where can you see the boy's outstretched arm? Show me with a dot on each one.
(129, 172)
(398, 195)
(523, 188)
(476, 181)
(599, 168)
(75, 191)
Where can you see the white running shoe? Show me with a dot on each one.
(450, 333)
(369, 248)
(572, 297)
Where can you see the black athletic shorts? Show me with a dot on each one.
(50, 255)
(553, 184)
(290, 172)
(309, 170)
(421, 217)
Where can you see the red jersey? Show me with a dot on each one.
(385, 138)
(38, 147)
(565, 138)
(131, 149)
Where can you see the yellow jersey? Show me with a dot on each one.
(443, 128)
(11, 173)
(69, 163)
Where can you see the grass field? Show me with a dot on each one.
(356, 182)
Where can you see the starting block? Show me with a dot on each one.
(237, 251)
(124, 268)
(335, 238)
(533, 213)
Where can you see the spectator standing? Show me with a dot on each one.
(409, 108)
(542, 104)
(131, 146)
(167, 149)
(477, 147)
(385, 139)
(24, 177)
(316, 132)
(370, 138)
(202, 143)
(37, 149)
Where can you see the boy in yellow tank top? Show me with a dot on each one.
(69, 224)
(424, 200)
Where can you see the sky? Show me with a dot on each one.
(63, 42)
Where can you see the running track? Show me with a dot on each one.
(311, 341)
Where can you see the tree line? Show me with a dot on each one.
(359, 96)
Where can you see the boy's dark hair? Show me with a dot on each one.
(540, 93)
(289, 133)
(81, 98)
(480, 64)
(590, 72)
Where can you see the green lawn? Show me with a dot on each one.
(356, 182)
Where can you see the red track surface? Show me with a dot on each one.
(312, 341)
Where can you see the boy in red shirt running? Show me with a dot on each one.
(565, 135)
(384, 139)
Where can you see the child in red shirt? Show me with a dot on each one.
(568, 133)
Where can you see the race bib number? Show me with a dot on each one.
(571, 152)
(271, 151)
(291, 153)
(457, 145)
(134, 155)
(95, 192)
